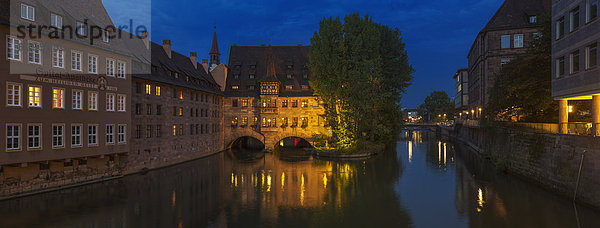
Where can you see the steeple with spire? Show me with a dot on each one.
(214, 53)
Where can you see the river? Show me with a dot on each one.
(424, 182)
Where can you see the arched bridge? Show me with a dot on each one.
(272, 137)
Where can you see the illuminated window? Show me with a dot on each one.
(180, 111)
(138, 131)
(295, 122)
(35, 94)
(294, 103)
(58, 98)
(234, 121)
(284, 121)
(157, 90)
(289, 87)
(244, 121)
(174, 129)
(148, 89)
(180, 94)
(284, 103)
(235, 87)
(304, 121)
(245, 103)
(304, 103)
(92, 101)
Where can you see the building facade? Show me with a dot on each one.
(461, 92)
(176, 108)
(66, 116)
(510, 31)
(575, 73)
(268, 96)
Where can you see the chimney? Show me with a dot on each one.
(194, 59)
(205, 65)
(146, 39)
(167, 47)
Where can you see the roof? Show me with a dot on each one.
(458, 72)
(253, 60)
(189, 76)
(515, 14)
(215, 46)
(72, 11)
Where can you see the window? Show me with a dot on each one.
(76, 98)
(304, 121)
(536, 35)
(34, 52)
(92, 134)
(176, 74)
(180, 129)
(110, 134)
(148, 109)
(180, 94)
(122, 133)
(110, 67)
(505, 41)
(591, 10)
(58, 132)
(13, 94)
(289, 76)
(158, 130)
(138, 87)
(192, 128)
(13, 137)
(304, 103)
(35, 96)
(58, 57)
(159, 110)
(295, 122)
(251, 76)
(138, 109)
(81, 29)
(148, 131)
(236, 76)
(560, 28)
(235, 87)
(148, 89)
(289, 87)
(574, 62)
(93, 101)
(305, 76)
(518, 42)
(251, 87)
(591, 56)
(560, 66)
(105, 36)
(93, 64)
(244, 103)
(244, 121)
(121, 103)
(574, 18)
(27, 12)
(13, 48)
(294, 103)
(533, 19)
(304, 87)
(34, 138)
(138, 131)
(157, 90)
(110, 102)
(174, 129)
(76, 60)
(234, 121)
(284, 103)
(56, 21)
(234, 102)
(284, 121)
(75, 135)
(58, 98)
(120, 69)
(180, 111)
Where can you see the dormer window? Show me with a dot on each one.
(105, 36)
(532, 19)
(56, 21)
(176, 75)
(290, 66)
(253, 67)
(289, 76)
(252, 76)
(81, 29)
(236, 76)
(27, 12)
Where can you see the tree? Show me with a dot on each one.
(437, 106)
(523, 87)
(360, 70)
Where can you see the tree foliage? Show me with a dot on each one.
(360, 70)
(437, 104)
(523, 86)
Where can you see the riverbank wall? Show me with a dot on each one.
(549, 160)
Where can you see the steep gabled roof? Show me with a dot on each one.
(215, 46)
(271, 75)
(515, 14)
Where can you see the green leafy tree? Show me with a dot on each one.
(360, 70)
(524, 86)
(437, 106)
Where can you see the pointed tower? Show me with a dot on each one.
(270, 84)
(214, 53)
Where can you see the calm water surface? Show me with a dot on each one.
(425, 182)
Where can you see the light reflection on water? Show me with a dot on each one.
(423, 182)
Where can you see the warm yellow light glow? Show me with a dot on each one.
(34, 96)
(480, 200)
(268, 182)
(444, 153)
(157, 90)
(410, 150)
(236, 180)
(282, 180)
(302, 190)
(324, 181)
(148, 89)
(439, 152)
(480, 109)
(570, 108)
(262, 177)
(173, 199)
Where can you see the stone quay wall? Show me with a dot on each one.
(550, 160)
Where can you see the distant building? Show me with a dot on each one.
(268, 95)
(461, 96)
(506, 36)
(575, 71)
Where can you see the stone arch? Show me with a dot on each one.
(231, 138)
(278, 138)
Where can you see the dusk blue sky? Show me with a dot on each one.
(438, 33)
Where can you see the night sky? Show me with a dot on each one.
(438, 33)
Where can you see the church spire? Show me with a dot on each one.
(271, 74)
(214, 50)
